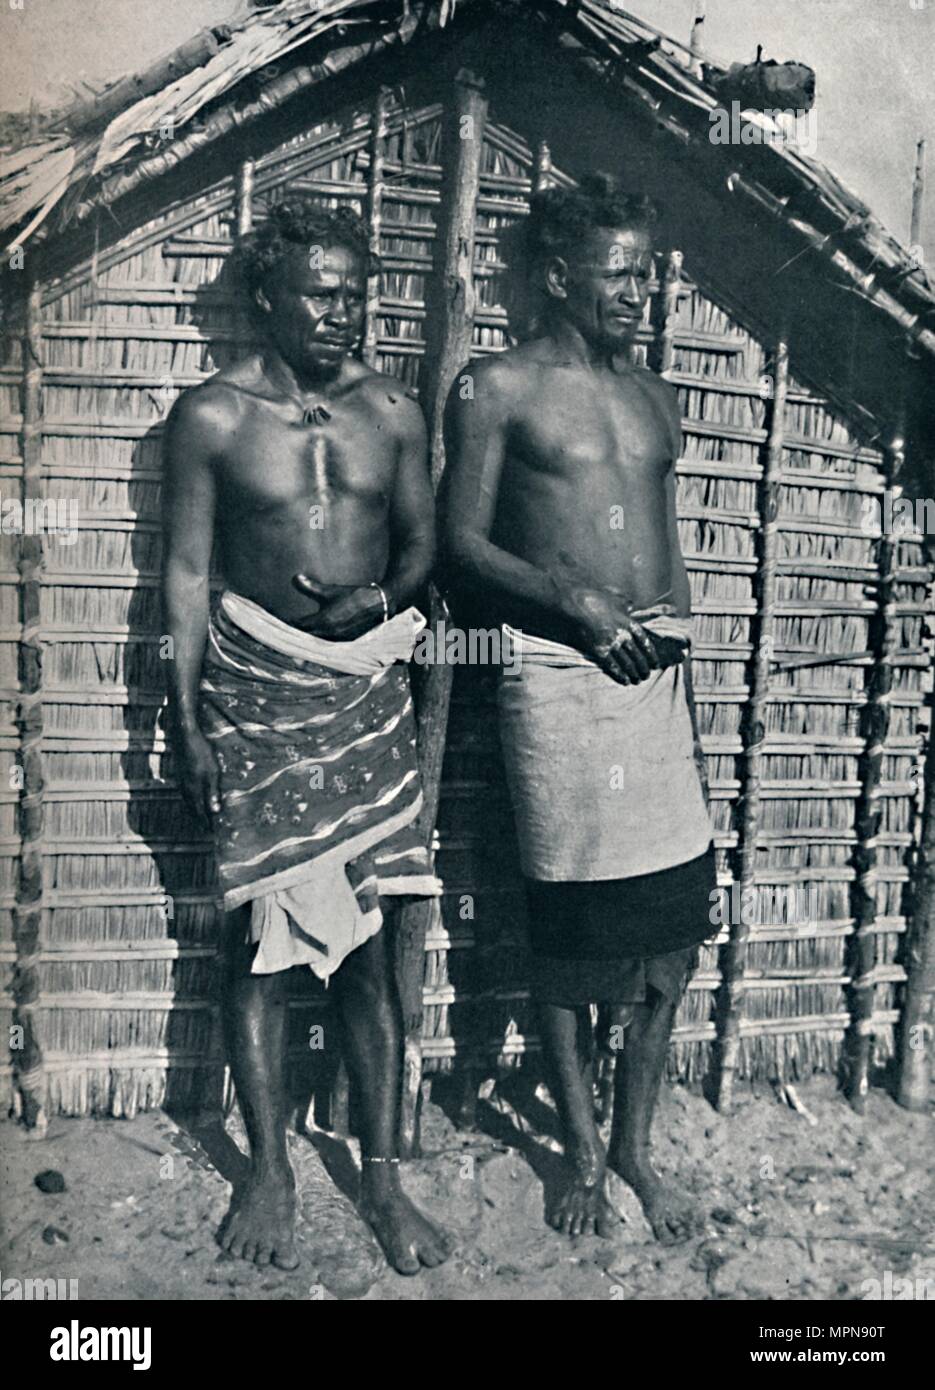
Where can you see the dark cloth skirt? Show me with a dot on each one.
(608, 940)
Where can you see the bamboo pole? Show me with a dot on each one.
(732, 996)
(449, 332)
(662, 348)
(28, 909)
(236, 115)
(918, 195)
(697, 38)
(542, 174)
(884, 640)
(375, 186)
(194, 53)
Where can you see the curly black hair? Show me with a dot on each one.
(560, 218)
(298, 222)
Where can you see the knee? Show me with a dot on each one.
(612, 1022)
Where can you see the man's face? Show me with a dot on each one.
(607, 286)
(315, 307)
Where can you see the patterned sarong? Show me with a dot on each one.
(316, 746)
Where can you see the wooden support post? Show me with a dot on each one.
(449, 334)
(246, 181)
(665, 309)
(917, 1021)
(734, 954)
(375, 184)
(916, 1037)
(885, 642)
(219, 1093)
(339, 1108)
(25, 1049)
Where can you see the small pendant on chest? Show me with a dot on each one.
(316, 415)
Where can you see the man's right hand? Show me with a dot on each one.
(611, 636)
(199, 775)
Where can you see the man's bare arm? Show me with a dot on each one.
(412, 513)
(681, 599)
(188, 501)
(475, 453)
(476, 435)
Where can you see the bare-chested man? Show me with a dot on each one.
(292, 720)
(559, 513)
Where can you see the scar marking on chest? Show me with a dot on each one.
(319, 465)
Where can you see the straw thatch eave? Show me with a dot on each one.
(739, 245)
(860, 311)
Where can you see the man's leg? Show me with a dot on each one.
(260, 1225)
(672, 1215)
(366, 995)
(567, 1039)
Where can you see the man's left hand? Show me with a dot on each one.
(346, 611)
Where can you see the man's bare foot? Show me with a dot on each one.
(671, 1213)
(407, 1238)
(582, 1206)
(260, 1225)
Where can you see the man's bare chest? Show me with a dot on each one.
(276, 460)
(585, 433)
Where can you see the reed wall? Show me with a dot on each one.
(125, 1012)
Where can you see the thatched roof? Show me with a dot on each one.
(218, 83)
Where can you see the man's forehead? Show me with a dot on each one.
(613, 246)
(322, 264)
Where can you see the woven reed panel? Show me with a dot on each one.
(130, 924)
(11, 473)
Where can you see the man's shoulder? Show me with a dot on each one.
(654, 383)
(656, 387)
(219, 401)
(502, 375)
(392, 399)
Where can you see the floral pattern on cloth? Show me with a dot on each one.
(320, 790)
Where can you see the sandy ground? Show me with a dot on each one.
(796, 1210)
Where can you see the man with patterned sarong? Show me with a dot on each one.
(559, 518)
(292, 720)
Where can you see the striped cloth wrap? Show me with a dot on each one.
(316, 746)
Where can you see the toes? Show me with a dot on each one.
(263, 1255)
(436, 1248)
(285, 1258)
(405, 1262)
(248, 1250)
(673, 1231)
